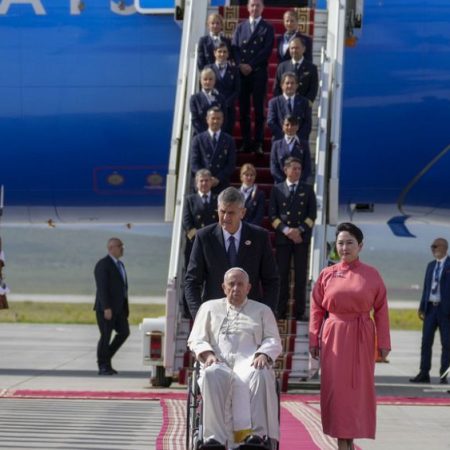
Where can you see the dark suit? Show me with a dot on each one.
(206, 47)
(253, 49)
(209, 262)
(220, 161)
(296, 210)
(308, 79)
(199, 106)
(197, 215)
(112, 293)
(436, 317)
(280, 152)
(228, 86)
(287, 56)
(255, 205)
(279, 109)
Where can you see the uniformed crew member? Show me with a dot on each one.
(289, 145)
(306, 72)
(289, 103)
(255, 199)
(290, 22)
(228, 83)
(207, 44)
(292, 212)
(214, 150)
(252, 45)
(200, 209)
(205, 99)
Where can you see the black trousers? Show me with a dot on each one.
(105, 348)
(283, 257)
(253, 87)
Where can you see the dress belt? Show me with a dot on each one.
(434, 303)
(359, 318)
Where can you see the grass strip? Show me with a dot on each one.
(82, 313)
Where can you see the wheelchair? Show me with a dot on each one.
(194, 419)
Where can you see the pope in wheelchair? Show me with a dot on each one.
(236, 341)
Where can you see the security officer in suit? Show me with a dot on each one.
(434, 311)
(200, 209)
(307, 76)
(289, 145)
(205, 99)
(207, 44)
(290, 22)
(252, 45)
(255, 199)
(292, 211)
(111, 305)
(231, 243)
(228, 84)
(214, 150)
(289, 103)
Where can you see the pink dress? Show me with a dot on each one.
(348, 292)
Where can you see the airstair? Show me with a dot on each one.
(165, 338)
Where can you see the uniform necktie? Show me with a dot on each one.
(437, 273)
(290, 105)
(252, 26)
(205, 199)
(296, 66)
(232, 253)
(287, 36)
(291, 145)
(292, 189)
(215, 140)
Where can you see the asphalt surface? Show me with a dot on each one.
(62, 357)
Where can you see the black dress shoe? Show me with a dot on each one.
(212, 444)
(114, 371)
(259, 149)
(254, 439)
(245, 148)
(105, 371)
(420, 378)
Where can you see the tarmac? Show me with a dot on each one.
(62, 358)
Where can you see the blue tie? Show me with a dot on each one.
(437, 272)
(232, 254)
(215, 140)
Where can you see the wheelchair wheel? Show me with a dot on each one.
(194, 419)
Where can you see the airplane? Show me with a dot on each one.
(89, 97)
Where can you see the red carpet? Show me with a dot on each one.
(300, 417)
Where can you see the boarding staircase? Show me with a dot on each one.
(294, 364)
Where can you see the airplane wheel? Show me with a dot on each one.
(160, 379)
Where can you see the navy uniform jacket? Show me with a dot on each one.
(199, 106)
(287, 56)
(255, 205)
(206, 49)
(280, 152)
(308, 79)
(209, 262)
(278, 110)
(197, 215)
(111, 288)
(253, 48)
(228, 86)
(220, 161)
(296, 211)
(444, 285)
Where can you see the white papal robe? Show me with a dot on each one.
(236, 396)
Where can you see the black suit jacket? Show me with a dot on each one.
(279, 109)
(111, 288)
(307, 76)
(220, 161)
(209, 262)
(199, 105)
(255, 204)
(206, 49)
(287, 56)
(294, 211)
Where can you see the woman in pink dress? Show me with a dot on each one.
(342, 333)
